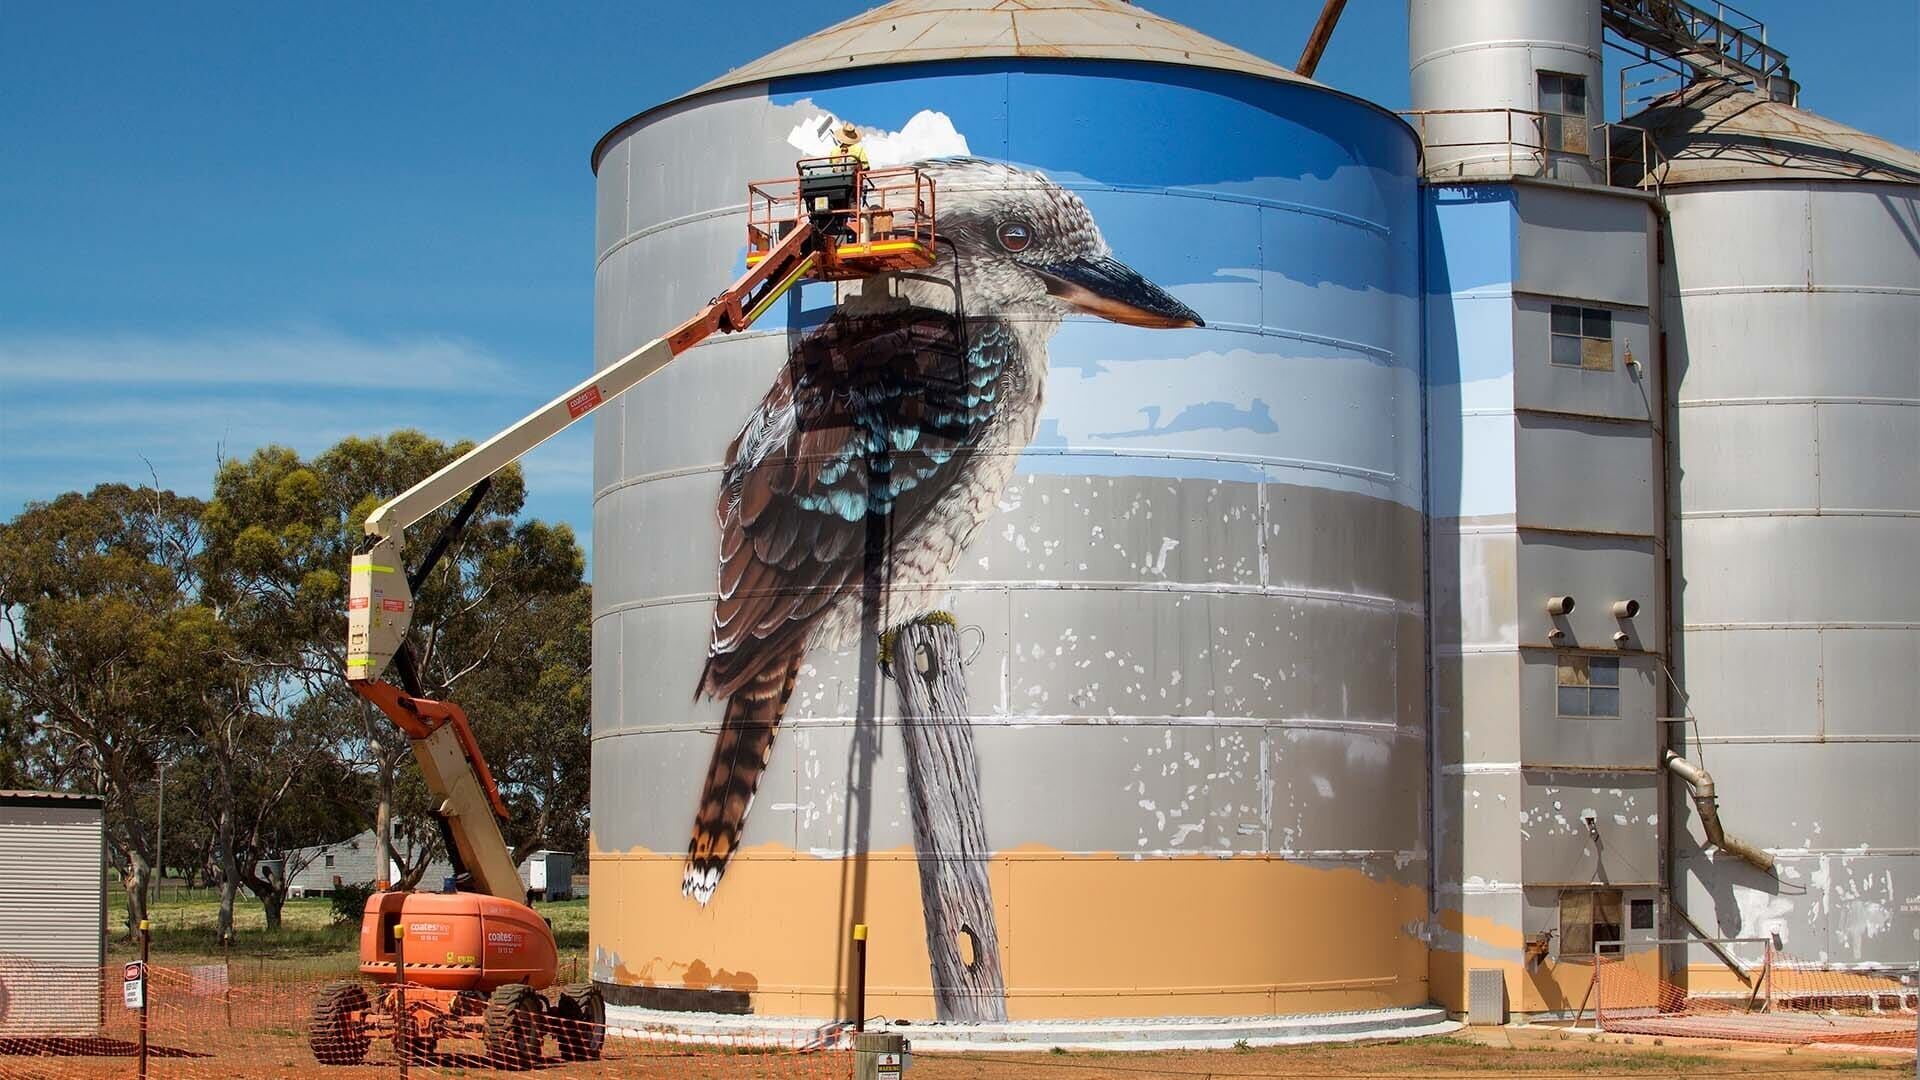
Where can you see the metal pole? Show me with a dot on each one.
(146, 990)
(859, 977)
(402, 1026)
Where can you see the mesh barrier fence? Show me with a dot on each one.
(215, 1020)
(1784, 1001)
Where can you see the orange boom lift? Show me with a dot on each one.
(479, 963)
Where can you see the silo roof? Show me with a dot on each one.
(915, 31)
(1712, 132)
(924, 31)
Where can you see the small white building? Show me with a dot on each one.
(548, 875)
(318, 870)
(53, 911)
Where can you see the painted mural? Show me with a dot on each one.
(1117, 505)
(905, 413)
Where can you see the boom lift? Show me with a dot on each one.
(476, 961)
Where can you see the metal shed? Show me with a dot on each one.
(548, 875)
(52, 913)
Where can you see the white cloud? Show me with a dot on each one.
(254, 357)
(927, 134)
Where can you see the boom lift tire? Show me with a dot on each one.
(338, 1031)
(579, 1022)
(513, 1027)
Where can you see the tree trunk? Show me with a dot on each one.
(949, 822)
(135, 879)
(383, 816)
(271, 902)
(223, 847)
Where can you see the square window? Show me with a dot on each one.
(1603, 670)
(1573, 701)
(1603, 701)
(329, 862)
(1590, 922)
(1642, 915)
(1580, 337)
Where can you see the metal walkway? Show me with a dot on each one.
(1715, 40)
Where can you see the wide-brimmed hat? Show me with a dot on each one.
(846, 134)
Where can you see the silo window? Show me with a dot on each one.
(329, 862)
(1589, 686)
(1590, 922)
(1582, 337)
(1563, 112)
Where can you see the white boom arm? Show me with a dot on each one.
(379, 600)
(379, 603)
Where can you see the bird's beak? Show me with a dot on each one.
(1104, 286)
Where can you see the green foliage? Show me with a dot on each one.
(139, 627)
(350, 901)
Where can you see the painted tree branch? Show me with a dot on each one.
(949, 821)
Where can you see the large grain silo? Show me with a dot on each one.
(1185, 560)
(1792, 314)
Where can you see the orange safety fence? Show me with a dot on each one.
(1779, 1000)
(214, 1020)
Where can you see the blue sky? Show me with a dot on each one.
(225, 225)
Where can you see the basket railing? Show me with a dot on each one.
(890, 204)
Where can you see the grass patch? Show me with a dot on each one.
(186, 925)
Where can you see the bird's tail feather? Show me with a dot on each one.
(739, 757)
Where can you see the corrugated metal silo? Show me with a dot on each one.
(1491, 92)
(1193, 614)
(1793, 309)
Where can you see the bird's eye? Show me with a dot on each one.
(1014, 235)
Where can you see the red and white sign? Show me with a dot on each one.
(133, 984)
(387, 603)
(583, 402)
(356, 603)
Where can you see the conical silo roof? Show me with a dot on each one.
(1715, 132)
(917, 31)
(932, 31)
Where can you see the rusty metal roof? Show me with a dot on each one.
(916, 31)
(1713, 132)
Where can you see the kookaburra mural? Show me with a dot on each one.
(892, 430)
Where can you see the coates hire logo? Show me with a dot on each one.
(504, 940)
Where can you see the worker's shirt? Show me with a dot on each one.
(857, 152)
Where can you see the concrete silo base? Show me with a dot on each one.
(1158, 1033)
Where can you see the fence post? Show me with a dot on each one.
(402, 1026)
(146, 989)
(859, 977)
(226, 968)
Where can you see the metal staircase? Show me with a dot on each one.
(1715, 40)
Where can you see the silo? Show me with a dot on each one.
(1507, 87)
(1793, 307)
(1184, 562)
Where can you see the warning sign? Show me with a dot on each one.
(133, 985)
